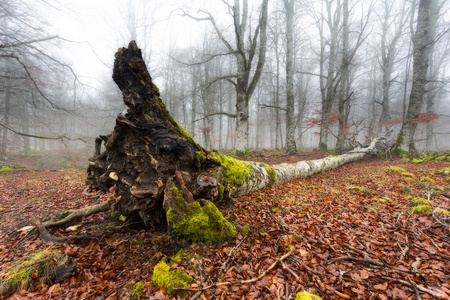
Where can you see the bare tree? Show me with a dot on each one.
(246, 79)
(423, 41)
(291, 147)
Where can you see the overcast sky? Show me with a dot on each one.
(94, 28)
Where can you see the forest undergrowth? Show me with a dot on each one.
(374, 229)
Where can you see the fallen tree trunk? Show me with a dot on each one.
(162, 176)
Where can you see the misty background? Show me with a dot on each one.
(56, 58)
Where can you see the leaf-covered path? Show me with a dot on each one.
(350, 234)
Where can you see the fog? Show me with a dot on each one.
(57, 94)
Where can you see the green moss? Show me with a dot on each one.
(201, 158)
(5, 170)
(405, 159)
(221, 191)
(177, 195)
(448, 179)
(418, 201)
(245, 230)
(442, 211)
(416, 161)
(441, 158)
(385, 200)
(202, 224)
(406, 189)
(407, 174)
(427, 179)
(421, 209)
(170, 279)
(331, 156)
(19, 276)
(236, 171)
(272, 175)
(306, 296)
(358, 188)
(136, 289)
(395, 169)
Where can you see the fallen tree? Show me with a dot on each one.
(161, 176)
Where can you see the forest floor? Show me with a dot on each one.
(349, 233)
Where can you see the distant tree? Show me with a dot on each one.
(289, 8)
(29, 72)
(245, 78)
(423, 41)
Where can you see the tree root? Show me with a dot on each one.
(47, 237)
(78, 213)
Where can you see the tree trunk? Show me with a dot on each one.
(422, 45)
(159, 174)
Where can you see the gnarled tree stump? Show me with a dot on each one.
(160, 174)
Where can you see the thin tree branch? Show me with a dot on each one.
(60, 137)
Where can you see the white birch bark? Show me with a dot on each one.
(263, 176)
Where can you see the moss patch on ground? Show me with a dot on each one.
(170, 279)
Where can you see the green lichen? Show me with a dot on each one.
(170, 279)
(236, 172)
(395, 169)
(306, 296)
(427, 179)
(202, 223)
(421, 209)
(416, 161)
(407, 174)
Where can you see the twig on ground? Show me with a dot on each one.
(323, 239)
(415, 289)
(32, 230)
(224, 267)
(254, 279)
(434, 293)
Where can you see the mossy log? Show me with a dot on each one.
(161, 176)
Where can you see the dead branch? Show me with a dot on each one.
(433, 292)
(47, 237)
(78, 213)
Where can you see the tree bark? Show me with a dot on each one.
(161, 176)
(422, 47)
(291, 147)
